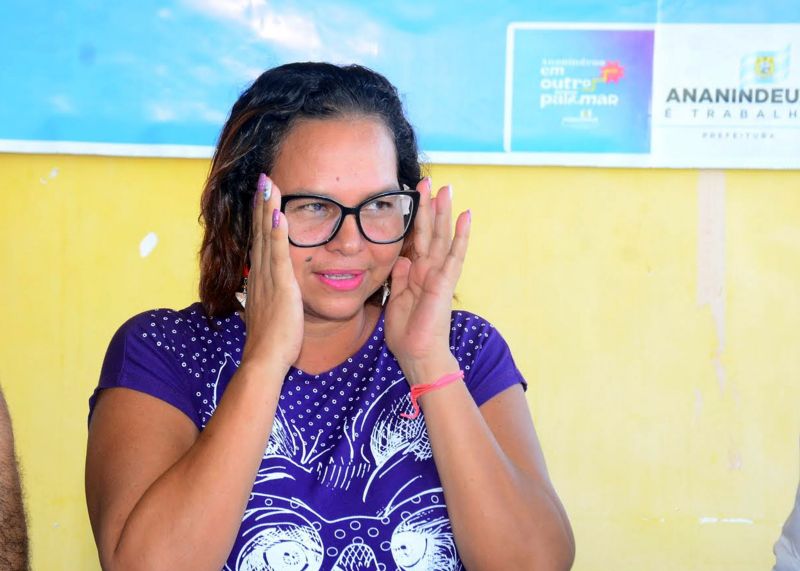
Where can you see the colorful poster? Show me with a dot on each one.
(578, 90)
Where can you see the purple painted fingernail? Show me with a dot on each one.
(264, 186)
(276, 218)
(260, 186)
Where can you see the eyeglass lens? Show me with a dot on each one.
(313, 221)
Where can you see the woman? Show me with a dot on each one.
(298, 445)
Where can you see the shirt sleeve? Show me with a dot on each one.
(485, 358)
(140, 358)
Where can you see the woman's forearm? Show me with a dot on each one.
(188, 518)
(502, 517)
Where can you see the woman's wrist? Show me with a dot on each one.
(429, 369)
(263, 368)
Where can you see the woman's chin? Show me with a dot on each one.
(331, 309)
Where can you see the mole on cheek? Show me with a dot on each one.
(308, 259)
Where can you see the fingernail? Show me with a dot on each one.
(469, 216)
(267, 188)
(449, 191)
(276, 218)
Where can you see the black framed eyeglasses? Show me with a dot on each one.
(384, 218)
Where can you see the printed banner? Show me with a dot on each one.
(659, 96)
(727, 96)
(634, 84)
(582, 91)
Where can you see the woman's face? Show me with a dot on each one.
(348, 160)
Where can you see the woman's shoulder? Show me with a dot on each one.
(463, 316)
(473, 337)
(168, 322)
(165, 317)
(483, 355)
(168, 353)
(465, 326)
(188, 331)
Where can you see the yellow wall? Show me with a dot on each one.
(655, 313)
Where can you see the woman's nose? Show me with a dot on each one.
(348, 239)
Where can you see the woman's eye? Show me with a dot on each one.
(309, 208)
(315, 207)
(408, 547)
(378, 205)
(287, 555)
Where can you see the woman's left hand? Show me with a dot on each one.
(419, 307)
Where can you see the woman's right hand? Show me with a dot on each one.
(274, 307)
(143, 513)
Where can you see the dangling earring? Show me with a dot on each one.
(241, 296)
(386, 291)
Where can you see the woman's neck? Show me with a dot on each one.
(328, 343)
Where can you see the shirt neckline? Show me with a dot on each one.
(363, 350)
(360, 354)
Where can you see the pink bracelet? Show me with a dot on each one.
(419, 390)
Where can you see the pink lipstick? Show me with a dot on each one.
(341, 280)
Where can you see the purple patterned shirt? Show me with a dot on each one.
(345, 483)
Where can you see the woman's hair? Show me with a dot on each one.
(250, 141)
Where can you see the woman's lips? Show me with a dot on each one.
(341, 280)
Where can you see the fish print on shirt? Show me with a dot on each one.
(283, 532)
(354, 442)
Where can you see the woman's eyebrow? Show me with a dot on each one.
(324, 194)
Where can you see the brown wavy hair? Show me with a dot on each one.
(249, 143)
